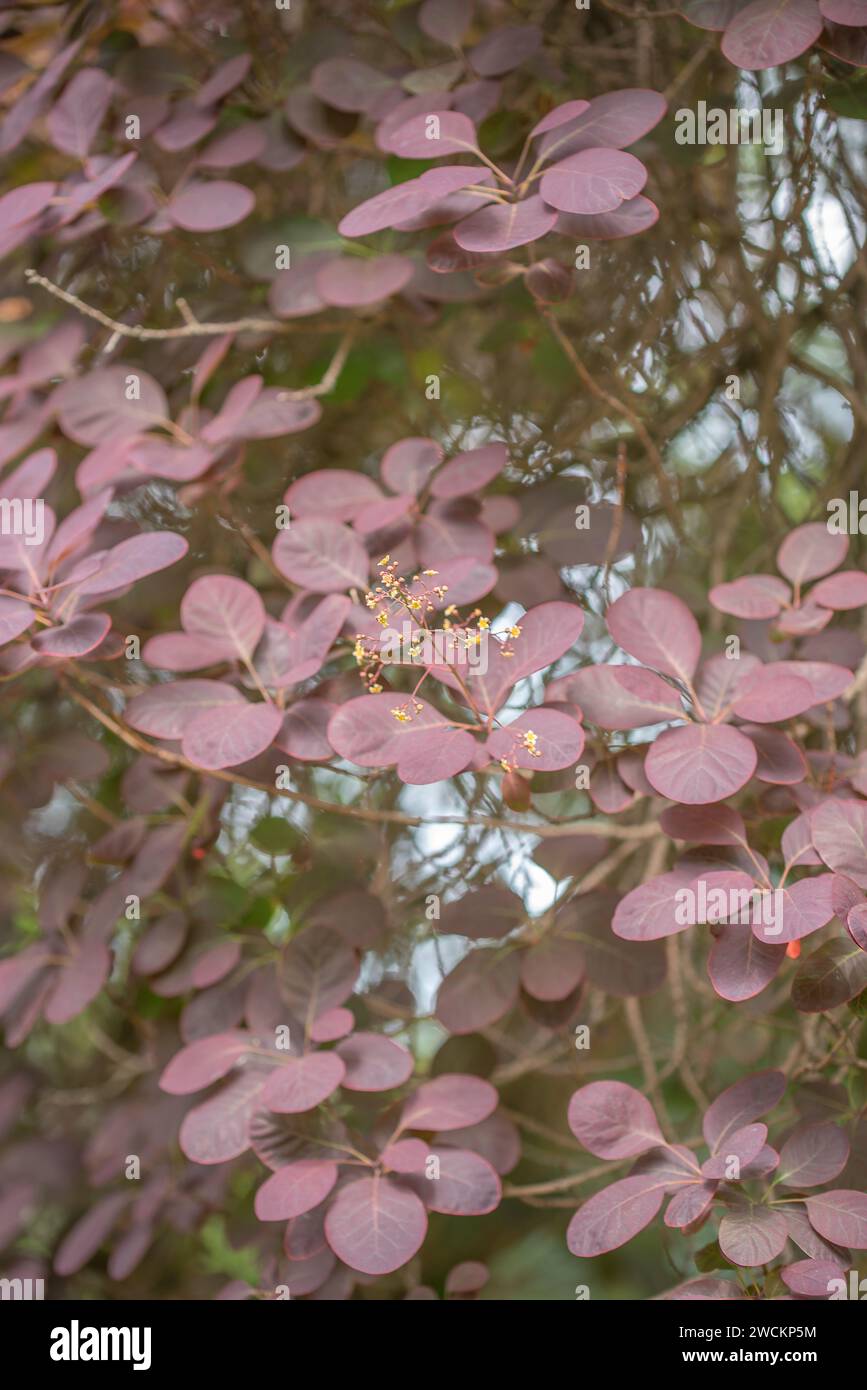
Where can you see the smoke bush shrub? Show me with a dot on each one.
(403, 725)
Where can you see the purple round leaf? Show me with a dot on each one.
(302, 1083)
(613, 1120)
(700, 764)
(754, 597)
(470, 472)
(203, 1062)
(95, 409)
(374, 1063)
(230, 734)
(814, 1155)
(467, 1185)
(503, 226)
(842, 591)
(631, 218)
(76, 638)
(433, 134)
(375, 1226)
(769, 33)
(347, 282)
(657, 628)
(450, 1102)
(752, 1235)
(840, 1216)
(810, 551)
(295, 1189)
(321, 555)
(613, 1216)
(612, 121)
(593, 181)
(407, 465)
(209, 207)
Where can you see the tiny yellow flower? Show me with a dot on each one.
(484, 624)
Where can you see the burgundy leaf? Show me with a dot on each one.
(489, 912)
(552, 968)
(433, 134)
(542, 740)
(768, 695)
(203, 1062)
(812, 1278)
(831, 976)
(840, 1216)
(302, 1083)
(348, 282)
(219, 1129)
(467, 1185)
(223, 609)
(374, 1063)
(743, 1145)
(295, 1189)
(505, 49)
(700, 764)
(752, 1235)
(321, 555)
(690, 1204)
(333, 1024)
(423, 745)
(712, 825)
(631, 218)
(304, 731)
(481, 989)
(856, 925)
(813, 1155)
(593, 181)
(375, 1226)
(164, 711)
(755, 596)
(809, 551)
(79, 980)
(740, 965)
(740, 1105)
(648, 912)
(613, 1216)
(657, 628)
(449, 1102)
(612, 121)
(503, 226)
(135, 559)
(97, 409)
(75, 119)
(613, 1120)
(623, 697)
(567, 111)
(227, 735)
(445, 20)
(74, 639)
(408, 464)
(320, 971)
(210, 207)
(838, 830)
(842, 591)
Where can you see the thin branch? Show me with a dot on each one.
(621, 407)
(164, 755)
(192, 328)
